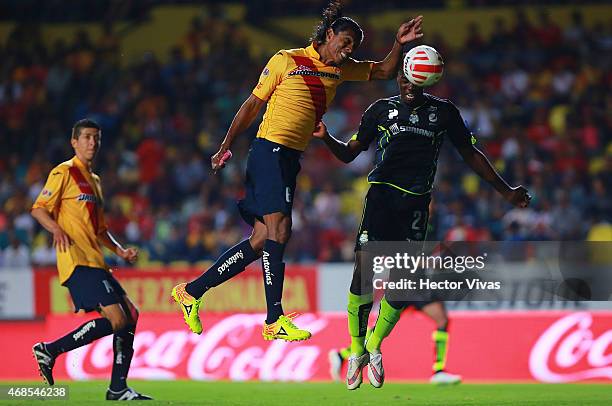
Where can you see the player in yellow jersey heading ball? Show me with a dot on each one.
(297, 85)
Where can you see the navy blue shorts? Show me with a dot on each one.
(91, 288)
(271, 175)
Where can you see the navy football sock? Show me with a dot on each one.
(123, 350)
(274, 276)
(230, 263)
(85, 334)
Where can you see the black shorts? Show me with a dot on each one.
(91, 288)
(271, 175)
(392, 215)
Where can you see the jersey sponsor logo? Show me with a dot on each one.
(276, 149)
(414, 119)
(396, 129)
(302, 70)
(315, 86)
(46, 192)
(393, 113)
(86, 190)
(433, 117)
(265, 72)
(85, 197)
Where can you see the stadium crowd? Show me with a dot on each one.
(537, 96)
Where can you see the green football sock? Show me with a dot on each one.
(345, 353)
(359, 307)
(440, 339)
(387, 318)
(369, 333)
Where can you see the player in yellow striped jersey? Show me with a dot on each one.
(70, 207)
(297, 86)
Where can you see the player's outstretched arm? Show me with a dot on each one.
(517, 196)
(242, 120)
(406, 33)
(60, 238)
(344, 151)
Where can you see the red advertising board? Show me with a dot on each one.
(484, 346)
(150, 290)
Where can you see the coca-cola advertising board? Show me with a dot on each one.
(484, 346)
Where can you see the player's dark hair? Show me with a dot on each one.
(84, 123)
(332, 18)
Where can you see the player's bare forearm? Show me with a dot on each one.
(44, 219)
(481, 165)
(242, 120)
(60, 238)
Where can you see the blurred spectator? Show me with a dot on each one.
(16, 255)
(537, 98)
(44, 254)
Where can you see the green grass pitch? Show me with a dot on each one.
(320, 394)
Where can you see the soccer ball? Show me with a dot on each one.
(423, 66)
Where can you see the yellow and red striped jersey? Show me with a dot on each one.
(73, 197)
(299, 88)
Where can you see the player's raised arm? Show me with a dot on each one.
(407, 32)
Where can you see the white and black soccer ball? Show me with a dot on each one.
(423, 66)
